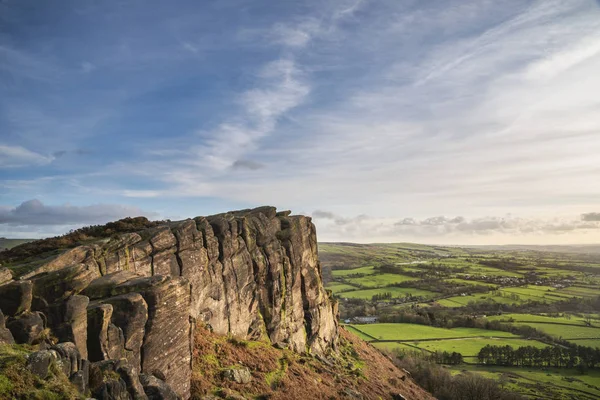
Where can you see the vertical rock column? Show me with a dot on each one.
(167, 341)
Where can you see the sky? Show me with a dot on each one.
(449, 122)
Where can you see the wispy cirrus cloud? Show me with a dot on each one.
(385, 109)
(17, 156)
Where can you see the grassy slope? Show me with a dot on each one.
(16, 382)
(282, 374)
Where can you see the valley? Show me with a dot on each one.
(456, 306)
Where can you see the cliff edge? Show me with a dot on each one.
(136, 296)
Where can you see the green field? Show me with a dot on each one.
(414, 332)
(340, 287)
(547, 383)
(373, 281)
(395, 291)
(539, 287)
(571, 320)
(467, 347)
(358, 333)
(470, 347)
(460, 301)
(355, 271)
(565, 331)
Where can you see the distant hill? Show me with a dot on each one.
(10, 243)
(574, 248)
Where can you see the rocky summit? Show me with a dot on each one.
(118, 313)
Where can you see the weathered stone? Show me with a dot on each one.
(6, 336)
(117, 253)
(105, 340)
(68, 321)
(130, 314)
(167, 342)
(121, 283)
(142, 259)
(38, 362)
(5, 275)
(157, 389)
(27, 327)
(69, 357)
(16, 297)
(78, 380)
(63, 283)
(162, 239)
(165, 263)
(250, 273)
(132, 382)
(70, 257)
(113, 389)
(238, 375)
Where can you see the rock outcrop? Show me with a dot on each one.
(132, 300)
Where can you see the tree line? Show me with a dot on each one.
(551, 356)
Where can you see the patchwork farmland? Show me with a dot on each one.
(451, 305)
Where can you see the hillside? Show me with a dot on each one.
(6, 244)
(141, 309)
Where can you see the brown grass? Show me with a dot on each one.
(282, 374)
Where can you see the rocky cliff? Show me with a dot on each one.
(129, 303)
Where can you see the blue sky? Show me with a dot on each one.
(438, 121)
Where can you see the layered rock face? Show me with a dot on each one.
(136, 297)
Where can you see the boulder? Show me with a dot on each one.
(27, 328)
(112, 389)
(6, 336)
(68, 321)
(5, 275)
(16, 297)
(130, 314)
(70, 257)
(132, 382)
(38, 362)
(157, 389)
(237, 375)
(118, 283)
(108, 377)
(63, 283)
(105, 340)
(69, 358)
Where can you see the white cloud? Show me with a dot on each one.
(297, 35)
(17, 156)
(451, 230)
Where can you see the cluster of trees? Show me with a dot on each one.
(551, 356)
(381, 296)
(438, 381)
(445, 357)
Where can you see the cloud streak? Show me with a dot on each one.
(17, 156)
(451, 230)
(35, 213)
